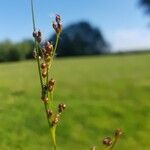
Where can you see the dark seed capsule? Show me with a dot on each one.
(55, 121)
(34, 34)
(51, 82)
(57, 18)
(43, 65)
(118, 132)
(54, 25)
(39, 34)
(49, 113)
(61, 107)
(45, 100)
(48, 47)
(44, 74)
(107, 141)
(50, 88)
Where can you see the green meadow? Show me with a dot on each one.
(101, 93)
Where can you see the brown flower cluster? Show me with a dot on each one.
(45, 54)
(57, 25)
(111, 142)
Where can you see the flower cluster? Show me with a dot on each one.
(111, 142)
(57, 25)
(44, 55)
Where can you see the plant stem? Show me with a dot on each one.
(33, 18)
(39, 67)
(114, 143)
(45, 91)
(36, 45)
(55, 48)
(56, 44)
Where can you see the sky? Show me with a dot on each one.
(122, 22)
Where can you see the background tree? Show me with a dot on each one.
(81, 39)
(146, 4)
(16, 51)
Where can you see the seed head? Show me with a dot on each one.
(39, 33)
(57, 25)
(47, 59)
(43, 65)
(51, 84)
(37, 36)
(55, 121)
(107, 141)
(48, 48)
(54, 25)
(34, 34)
(61, 107)
(118, 133)
(44, 74)
(49, 112)
(45, 100)
(58, 18)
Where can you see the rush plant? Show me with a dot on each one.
(44, 53)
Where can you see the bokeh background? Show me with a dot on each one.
(101, 68)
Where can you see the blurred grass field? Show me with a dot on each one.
(101, 93)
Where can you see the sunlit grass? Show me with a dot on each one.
(101, 93)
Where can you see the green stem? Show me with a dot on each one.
(37, 48)
(56, 44)
(33, 18)
(55, 48)
(53, 134)
(46, 109)
(114, 143)
(36, 45)
(47, 78)
(39, 67)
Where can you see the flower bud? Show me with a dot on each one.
(61, 107)
(49, 112)
(51, 84)
(48, 48)
(55, 121)
(107, 141)
(39, 33)
(44, 74)
(45, 100)
(118, 132)
(37, 36)
(57, 18)
(43, 65)
(54, 26)
(57, 27)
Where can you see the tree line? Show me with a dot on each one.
(76, 39)
(10, 51)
